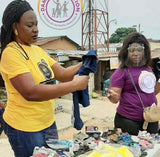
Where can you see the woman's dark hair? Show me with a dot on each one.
(134, 38)
(12, 14)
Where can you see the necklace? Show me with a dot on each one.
(25, 56)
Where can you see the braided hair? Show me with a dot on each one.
(12, 14)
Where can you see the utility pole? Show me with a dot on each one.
(138, 27)
(108, 25)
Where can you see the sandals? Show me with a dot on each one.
(155, 138)
(111, 134)
(144, 135)
(92, 131)
(44, 152)
(124, 136)
(146, 144)
(82, 144)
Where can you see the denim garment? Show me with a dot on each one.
(89, 65)
(1, 121)
(23, 142)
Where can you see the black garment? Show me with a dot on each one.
(1, 81)
(106, 75)
(156, 67)
(132, 126)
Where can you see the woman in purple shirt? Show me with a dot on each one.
(134, 58)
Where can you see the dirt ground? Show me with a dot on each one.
(102, 123)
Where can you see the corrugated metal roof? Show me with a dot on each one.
(100, 54)
(78, 54)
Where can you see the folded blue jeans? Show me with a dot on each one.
(23, 143)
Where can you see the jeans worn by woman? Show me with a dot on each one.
(24, 142)
(1, 121)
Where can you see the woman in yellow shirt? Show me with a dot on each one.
(29, 75)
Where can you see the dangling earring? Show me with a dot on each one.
(16, 32)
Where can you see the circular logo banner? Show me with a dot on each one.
(60, 14)
(147, 82)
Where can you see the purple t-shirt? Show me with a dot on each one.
(129, 104)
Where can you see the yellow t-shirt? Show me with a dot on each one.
(21, 114)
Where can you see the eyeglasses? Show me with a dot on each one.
(138, 49)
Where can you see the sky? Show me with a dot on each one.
(145, 13)
(127, 13)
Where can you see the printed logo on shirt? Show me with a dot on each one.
(147, 82)
(44, 69)
(60, 14)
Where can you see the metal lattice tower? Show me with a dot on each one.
(95, 25)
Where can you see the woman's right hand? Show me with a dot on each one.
(81, 82)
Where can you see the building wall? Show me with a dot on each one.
(154, 45)
(59, 44)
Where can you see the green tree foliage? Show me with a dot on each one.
(119, 35)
